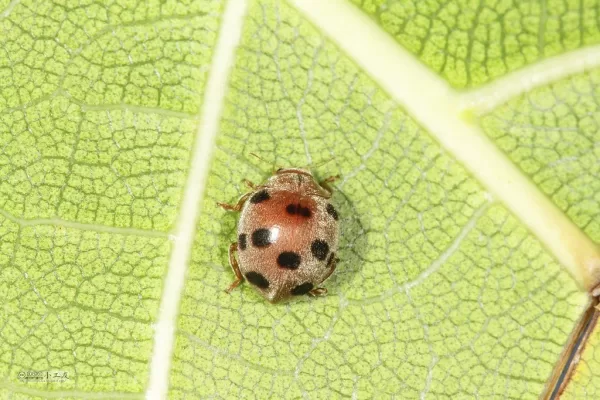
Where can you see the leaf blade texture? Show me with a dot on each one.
(441, 291)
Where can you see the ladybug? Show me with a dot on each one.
(287, 235)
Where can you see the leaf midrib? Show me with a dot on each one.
(222, 62)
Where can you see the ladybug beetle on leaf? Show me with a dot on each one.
(287, 235)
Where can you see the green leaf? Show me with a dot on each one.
(469, 233)
(472, 42)
(439, 291)
(99, 105)
(552, 134)
(81, 302)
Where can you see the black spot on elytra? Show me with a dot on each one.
(291, 209)
(257, 279)
(330, 260)
(294, 209)
(261, 237)
(242, 241)
(302, 289)
(319, 249)
(332, 211)
(259, 197)
(289, 260)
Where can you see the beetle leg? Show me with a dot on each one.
(325, 183)
(330, 179)
(250, 184)
(236, 207)
(235, 267)
(321, 291)
(331, 268)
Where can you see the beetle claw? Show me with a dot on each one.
(318, 292)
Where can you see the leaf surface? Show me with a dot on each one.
(552, 134)
(99, 108)
(472, 42)
(440, 291)
(99, 105)
(444, 288)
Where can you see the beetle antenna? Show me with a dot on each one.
(274, 168)
(259, 157)
(323, 162)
